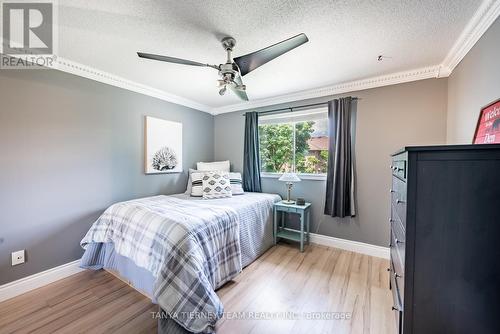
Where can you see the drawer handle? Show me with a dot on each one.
(396, 275)
(400, 169)
(398, 201)
(395, 308)
(391, 220)
(392, 191)
(398, 241)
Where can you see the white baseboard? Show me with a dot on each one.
(38, 280)
(353, 246)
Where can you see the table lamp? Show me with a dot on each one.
(289, 178)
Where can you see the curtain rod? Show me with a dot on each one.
(290, 109)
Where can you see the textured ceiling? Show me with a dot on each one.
(345, 38)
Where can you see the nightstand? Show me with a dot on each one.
(283, 232)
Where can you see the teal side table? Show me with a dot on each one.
(282, 231)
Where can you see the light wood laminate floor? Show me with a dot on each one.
(283, 284)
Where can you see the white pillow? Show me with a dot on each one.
(216, 185)
(236, 183)
(223, 166)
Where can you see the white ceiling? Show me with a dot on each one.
(345, 38)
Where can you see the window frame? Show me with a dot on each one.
(303, 176)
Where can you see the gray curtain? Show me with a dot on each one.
(339, 201)
(251, 157)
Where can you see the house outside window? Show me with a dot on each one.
(294, 142)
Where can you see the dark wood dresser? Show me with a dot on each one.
(445, 239)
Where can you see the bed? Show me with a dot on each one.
(179, 249)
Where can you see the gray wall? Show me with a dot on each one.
(387, 119)
(474, 83)
(69, 147)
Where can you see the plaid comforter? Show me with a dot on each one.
(190, 247)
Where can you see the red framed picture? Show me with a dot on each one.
(488, 125)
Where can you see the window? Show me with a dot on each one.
(294, 142)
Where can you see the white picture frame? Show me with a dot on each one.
(162, 146)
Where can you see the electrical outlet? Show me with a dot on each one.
(18, 257)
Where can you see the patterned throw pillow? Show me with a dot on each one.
(236, 183)
(206, 167)
(216, 185)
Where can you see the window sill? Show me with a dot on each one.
(312, 177)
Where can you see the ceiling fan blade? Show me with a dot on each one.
(241, 93)
(171, 59)
(251, 61)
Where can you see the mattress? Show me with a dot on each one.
(256, 236)
(256, 221)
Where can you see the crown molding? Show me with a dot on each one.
(72, 67)
(482, 19)
(352, 86)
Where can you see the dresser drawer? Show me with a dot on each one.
(399, 232)
(398, 262)
(399, 168)
(398, 200)
(398, 244)
(399, 214)
(286, 209)
(399, 165)
(396, 292)
(397, 306)
(398, 317)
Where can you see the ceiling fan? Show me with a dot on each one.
(234, 68)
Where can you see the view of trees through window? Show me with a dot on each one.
(294, 146)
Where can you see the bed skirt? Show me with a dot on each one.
(103, 256)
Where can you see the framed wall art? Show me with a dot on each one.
(488, 125)
(163, 146)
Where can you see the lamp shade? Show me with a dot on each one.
(289, 177)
